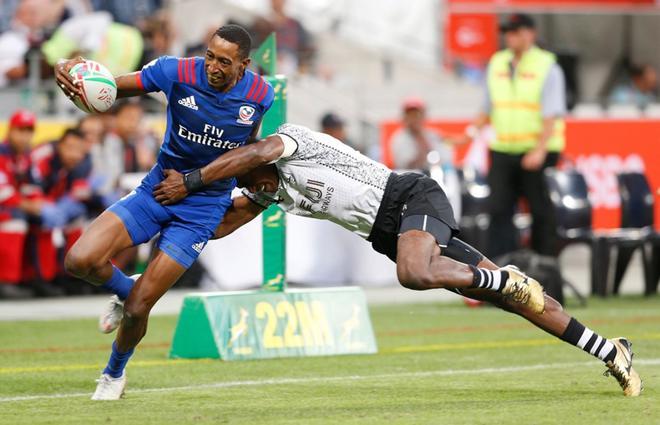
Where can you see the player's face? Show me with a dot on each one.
(223, 65)
(262, 178)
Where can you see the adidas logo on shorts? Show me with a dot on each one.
(198, 246)
(189, 102)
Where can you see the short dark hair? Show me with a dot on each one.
(122, 104)
(638, 70)
(238, 35)
(73, 131)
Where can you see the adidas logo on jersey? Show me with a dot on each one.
(198, 246)
(189, 102)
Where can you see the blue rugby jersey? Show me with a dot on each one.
(203, 123)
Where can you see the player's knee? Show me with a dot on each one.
(413, 279)
(134, 314)
(78, 263)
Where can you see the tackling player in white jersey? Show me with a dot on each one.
(405, 216)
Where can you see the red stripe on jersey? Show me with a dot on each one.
(186, 76)
(260, 86)
(254, 84)
(138, 80)
(263, 93)
(180, 69)
(192, 70)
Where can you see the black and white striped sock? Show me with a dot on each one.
(489, 279)
(579, 335)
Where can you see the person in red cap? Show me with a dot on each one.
(417, 147)
(412, 143)
(15, 205)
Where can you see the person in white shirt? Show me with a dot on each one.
(405, 216)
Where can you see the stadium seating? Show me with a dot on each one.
(637, 212)
(569, 196)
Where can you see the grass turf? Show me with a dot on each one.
(437, 363)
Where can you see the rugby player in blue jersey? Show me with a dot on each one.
(215, 104)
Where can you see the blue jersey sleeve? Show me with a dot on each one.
(159, 74)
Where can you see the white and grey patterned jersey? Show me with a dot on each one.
(326, 179)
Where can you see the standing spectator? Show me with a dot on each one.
(14, 204)
(26, 30)
(416, 146)
(295, 49)
(524, 102)
(412, 143)
(640, 89)
(94, 35)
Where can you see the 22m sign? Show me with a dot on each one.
(294, 325)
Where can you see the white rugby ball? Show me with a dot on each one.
(99, 89)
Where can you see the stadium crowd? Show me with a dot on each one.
(48, 193)
(122, 35)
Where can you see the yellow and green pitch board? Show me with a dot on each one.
(262, 324)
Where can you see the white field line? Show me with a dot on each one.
(325, 379)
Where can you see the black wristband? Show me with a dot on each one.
(193, 180)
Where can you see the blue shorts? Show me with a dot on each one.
(184, 227)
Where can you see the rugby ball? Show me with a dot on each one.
(99, 89)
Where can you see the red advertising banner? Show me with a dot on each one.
(471, 38)
(599, 149)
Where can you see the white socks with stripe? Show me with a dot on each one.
(489, 279)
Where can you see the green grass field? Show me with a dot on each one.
(437, 364)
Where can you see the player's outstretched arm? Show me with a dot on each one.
(242, 160)
(241, 212)
(127, 85)
(237, 162)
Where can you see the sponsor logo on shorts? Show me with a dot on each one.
(198, 247)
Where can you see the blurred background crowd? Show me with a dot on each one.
(395, 80)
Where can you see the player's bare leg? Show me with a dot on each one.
(163, 271)
(555, 321)
(420, 266)
(89, 259)
(417, 271)
(90, 256)
(161, 274)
